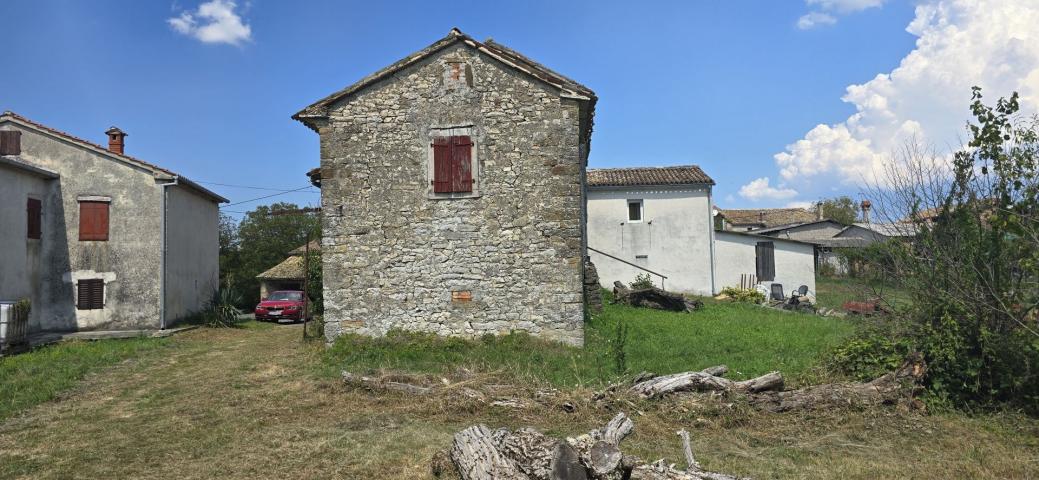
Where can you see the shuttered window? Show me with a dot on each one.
(34, 217)
(90, 294)
(765, 260)
(10, 142)
(93, 221)
(452, 164)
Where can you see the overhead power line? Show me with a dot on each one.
(249, 187)
(265, 196)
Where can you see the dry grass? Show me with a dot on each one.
(245, 403)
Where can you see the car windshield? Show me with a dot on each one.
(290, 296)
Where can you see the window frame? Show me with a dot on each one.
(642, 209)
(474, 161)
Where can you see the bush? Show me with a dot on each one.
(641, 282)
(870, 353)
(221, 311)
(748, 295)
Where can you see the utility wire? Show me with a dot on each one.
(265, 196)
(248, 186)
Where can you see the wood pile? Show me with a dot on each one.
(653, 297)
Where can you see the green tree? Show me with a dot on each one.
(264, 238)
(840, 209)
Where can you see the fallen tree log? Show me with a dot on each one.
(705, 381)
(653, 297)
(900, 385)
(526, 454)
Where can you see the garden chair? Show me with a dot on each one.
(802, 290)
(777, 292)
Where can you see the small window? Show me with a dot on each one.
(90, 294)
(634, 210)
(93, 221)
(765, 261)
(34, 218)
(452, 164)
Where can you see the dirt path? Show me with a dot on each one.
(245, 403)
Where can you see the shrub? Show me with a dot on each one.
(744, 295)
(221, 311)
(642, 281)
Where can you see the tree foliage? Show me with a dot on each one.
(840, 209)
(973, 265)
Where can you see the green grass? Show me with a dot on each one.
(832, 292)
(750, 339)
(41, 375)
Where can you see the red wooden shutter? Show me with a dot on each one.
(461, 164)
(93, 221)
(441, 165)
(34, 212)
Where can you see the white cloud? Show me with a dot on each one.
(215, 21)
(759, 189)
(814, 19)
(800, 204)
(961, 43)
(824, 12)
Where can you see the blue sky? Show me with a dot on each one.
(723, 84)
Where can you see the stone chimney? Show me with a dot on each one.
(818, 210)
(866, 205)
(115, 140)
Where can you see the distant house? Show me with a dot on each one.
(289, 274)
(659, 221)
(746, 220)
(452, 195)
(97, 239)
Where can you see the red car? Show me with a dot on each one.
(287, 304)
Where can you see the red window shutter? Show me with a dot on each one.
(441, 165)
(10, 142)
(461, 164)
(34, 215)
(93, 221)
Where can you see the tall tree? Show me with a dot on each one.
(840, 209)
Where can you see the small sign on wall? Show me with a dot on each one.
(461, 296)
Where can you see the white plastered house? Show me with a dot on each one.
(660, 221)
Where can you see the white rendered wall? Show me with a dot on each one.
(735, 255)
(674, 235)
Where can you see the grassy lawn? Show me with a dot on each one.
(245, 403)
(43, 374)
(749, 339)
(832, 292)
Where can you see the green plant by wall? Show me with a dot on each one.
(642, 281)
(745, 295)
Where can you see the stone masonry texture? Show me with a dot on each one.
(397, 257)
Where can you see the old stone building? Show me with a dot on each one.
(97, 239)
(452, 195)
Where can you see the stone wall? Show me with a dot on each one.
(506, 259)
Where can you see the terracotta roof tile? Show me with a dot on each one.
(768, 217)
(624, 177)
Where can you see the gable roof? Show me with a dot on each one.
(624, 177)
(159, 172)
(512, 58)
(768, 217)
(13, 162)
(289, 269)
(764, 238)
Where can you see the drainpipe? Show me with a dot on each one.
(710, 228)
(162, 262)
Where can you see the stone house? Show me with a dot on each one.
(452, 195)
(660, 221)
(289, 274)
(97, 239)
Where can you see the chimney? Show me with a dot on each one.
(115, 140)
(818, 210)
(866, 205)
(10, 142)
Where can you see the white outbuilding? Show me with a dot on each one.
(660, 221)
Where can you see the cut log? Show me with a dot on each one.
(893, 387)
(476, 455)
(531, 450)
(566, 465)
(704, 382)
(381, 384)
